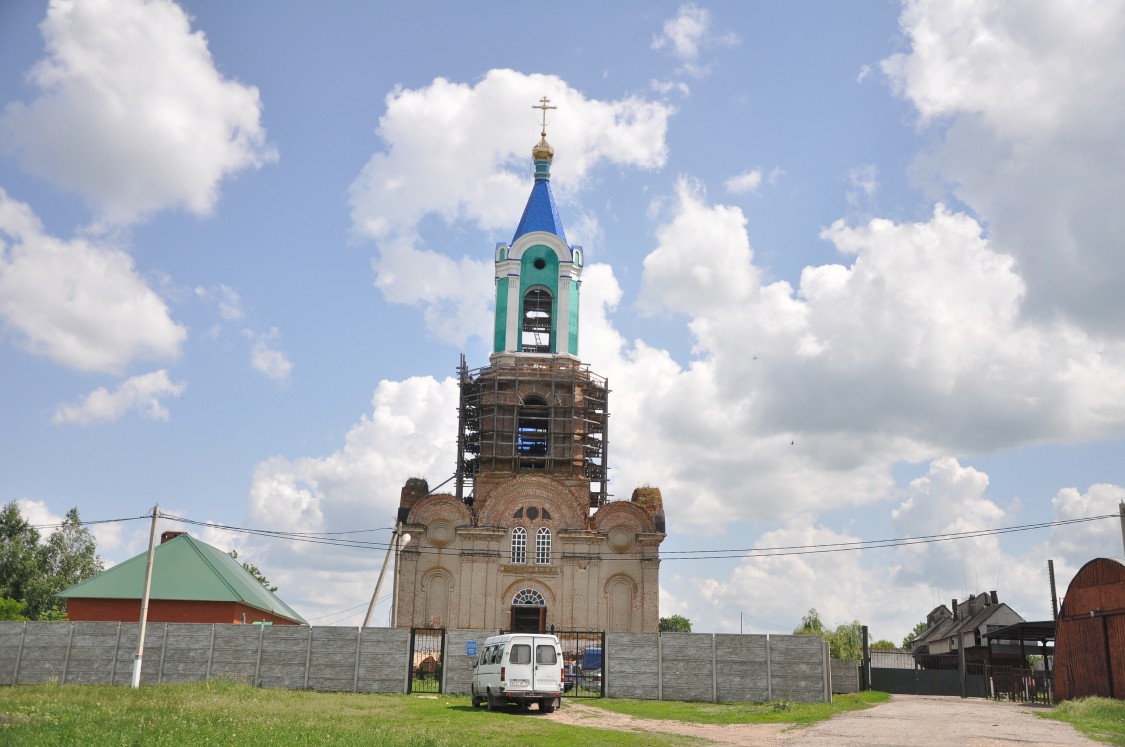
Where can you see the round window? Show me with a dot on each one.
(540, 263)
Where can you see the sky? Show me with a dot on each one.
(853, 275)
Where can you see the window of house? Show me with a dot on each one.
(536, 337)
(519, 545)
(543, 546)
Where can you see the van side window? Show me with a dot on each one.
(545, 655)
(521, 654)
(497, 651)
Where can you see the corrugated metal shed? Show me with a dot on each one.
(1090, 643)
(184, 568)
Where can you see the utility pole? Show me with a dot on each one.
(1121, 510)
(138, 659)
(382, 573)
(1054, 596)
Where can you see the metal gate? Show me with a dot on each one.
(904, 674)
(583, 663)
(427, 651)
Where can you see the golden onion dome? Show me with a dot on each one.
(542, 150)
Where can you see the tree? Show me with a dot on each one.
(33, 573)
(19, 561)
(10, 609)
(811, 625)
(675, 624)
(846, 642)
(914, 633)
(253, 571)
(882, 643)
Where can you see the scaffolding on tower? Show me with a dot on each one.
(545, 414)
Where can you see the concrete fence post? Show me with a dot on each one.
(659, 667)
(358, 646)
(66, 657)
(210, 654)
(714, 672)
(116, 653)
(258, 663)
(769, 669)
(163, 651)
(19, 655)
(308, 657)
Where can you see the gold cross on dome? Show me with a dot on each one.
(543, 104)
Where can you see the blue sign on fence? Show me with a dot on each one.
(470, 648)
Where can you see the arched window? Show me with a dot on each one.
(532, 433)
(519, 545)
(537, 305)
(543, 546)
(525, 597)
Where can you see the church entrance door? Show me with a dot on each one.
(529, 618)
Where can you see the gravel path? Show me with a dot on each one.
(906, 721)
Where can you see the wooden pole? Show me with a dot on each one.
(138, 658)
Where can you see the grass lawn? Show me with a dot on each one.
(1102, 719)
(224, 713)
(773, 712)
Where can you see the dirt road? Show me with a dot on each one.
(906, 721)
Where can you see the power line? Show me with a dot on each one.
(340, 539)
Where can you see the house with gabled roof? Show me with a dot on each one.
(192, 582)
(965, 626)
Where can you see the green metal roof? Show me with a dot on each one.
(184, 569)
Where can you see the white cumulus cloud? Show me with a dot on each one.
(132, 113)
(748, 181)
(78, 302)
(688, 34)
(143, 394)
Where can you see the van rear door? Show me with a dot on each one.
(548, 668)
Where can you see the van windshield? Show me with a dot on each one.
(521, 654)
(545, 655)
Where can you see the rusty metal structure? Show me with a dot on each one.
(533, 414)
(1090, 642)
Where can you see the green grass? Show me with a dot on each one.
(226, 713)
(773, 712)
(1102, 719)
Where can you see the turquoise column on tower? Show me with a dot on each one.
(538, 276)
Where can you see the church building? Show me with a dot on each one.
(528, 540)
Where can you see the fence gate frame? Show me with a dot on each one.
(415, 666)
(930, 674)
(583, 683)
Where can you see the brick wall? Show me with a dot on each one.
(168, 610)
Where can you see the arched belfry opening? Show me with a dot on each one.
(533, 428)
(538, 313)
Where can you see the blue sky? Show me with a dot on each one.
(853, 274)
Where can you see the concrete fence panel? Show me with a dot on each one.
(631, 665)
(669, 666)
(797, 668)
(743, 672)
(384, 654)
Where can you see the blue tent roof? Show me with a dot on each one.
(540, 213)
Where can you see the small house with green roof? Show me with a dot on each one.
(192, 582)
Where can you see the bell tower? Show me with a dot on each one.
(537, 408)
(529, 539)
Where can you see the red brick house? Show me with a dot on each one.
(192, 582)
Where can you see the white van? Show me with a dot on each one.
(521, 668)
